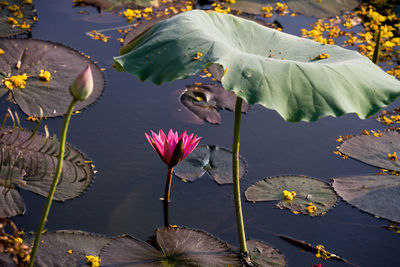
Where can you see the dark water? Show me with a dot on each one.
(124, 197)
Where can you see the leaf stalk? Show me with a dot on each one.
(235, 171)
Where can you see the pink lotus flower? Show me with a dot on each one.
(166, 146)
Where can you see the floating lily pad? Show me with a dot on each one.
(258, 60)
(53, 251)
(322, 9)
(308, 190)
(206, 99)
(36, 158)
(109, 5)
(174, 247)
(23, 18)
(309, 8)
(375, 194)
(62, 62)
(11, 203)
(374, 150)
(263, 254)
(215, 160)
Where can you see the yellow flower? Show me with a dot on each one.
(287, 195)
(12, 20)
(365, 132)
(392, 156)
(8, 84)
(17, 81)
(311, 208)
(28, 2)
(198, 55)
(386, 120)
(18, 240)
(148, 10)
(69, 251)
(322, 253)
(13, 8)
(323, 56)
(4, 3)
(24, 25)
(94, 261)
(45, 75)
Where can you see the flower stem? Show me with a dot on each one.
(166, 195)
(56, 178)
(235, 170)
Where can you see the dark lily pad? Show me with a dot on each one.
(263, 254)
(67, 248)
(206, 99)
(36, 158)
(322, 9)
(374, 150)
(22, 19)
(215, 160)
(308, 190)
(11, 203)
(62, 62)
(309, 8)
(109, 5)
(175, 247)
(375, 194)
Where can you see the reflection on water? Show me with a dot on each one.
(124, 197)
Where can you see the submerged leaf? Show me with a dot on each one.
(36, 57)
(263, 254)
(33, 159)
(307, 190)
(109, 5)
(67, 248)
(215, 160)
(375, 194)
(18, 20)
(322, 9)
(175, 247)
(11, 203)
(374, 150)
(206, 99)
(258, 60)
(308, 8)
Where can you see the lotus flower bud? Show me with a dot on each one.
(82, 86)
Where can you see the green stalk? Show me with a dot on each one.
(166, 196)
(236, 183)
(46, 209)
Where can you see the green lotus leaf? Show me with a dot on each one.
(308, 190)
(62, 62)
(215, 160)
(205, 100)
(375, 194)
(262, 65)
(28, 160)
(374, 150)
(24, 17)
(175, 247)
(263, 254)
(53, 251)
